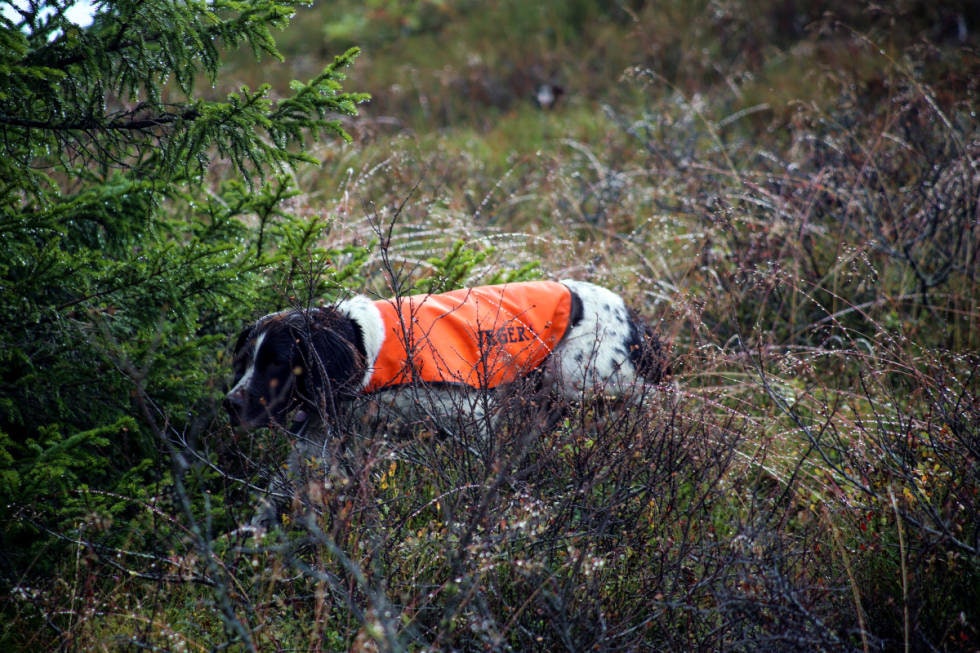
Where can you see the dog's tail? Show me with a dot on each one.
(648, 352)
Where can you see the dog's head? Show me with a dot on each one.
(294, 360)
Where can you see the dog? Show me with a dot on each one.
(581, 338)
(441, 361)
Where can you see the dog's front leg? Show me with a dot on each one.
(286, 485)
(274, 502)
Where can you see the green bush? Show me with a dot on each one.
(123, 272)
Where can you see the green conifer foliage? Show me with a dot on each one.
(123, 267)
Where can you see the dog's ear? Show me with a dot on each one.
(336, 343)
(335, 364)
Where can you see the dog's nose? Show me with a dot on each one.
(233, 399)
(233, 404)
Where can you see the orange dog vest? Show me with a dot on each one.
(482, 337)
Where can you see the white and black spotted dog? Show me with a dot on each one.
(420, 357)
(578, 339)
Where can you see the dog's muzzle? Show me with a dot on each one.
(234, 405)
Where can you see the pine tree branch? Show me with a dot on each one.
(126, 122)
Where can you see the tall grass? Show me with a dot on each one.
(809, 479)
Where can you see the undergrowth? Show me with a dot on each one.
(808, 479)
